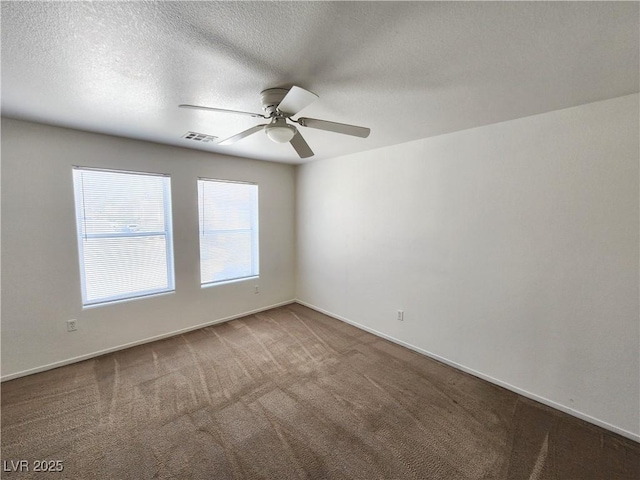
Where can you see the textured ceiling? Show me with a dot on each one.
(406, 70)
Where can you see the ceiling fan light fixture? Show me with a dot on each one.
(279, 105)
(280, 132)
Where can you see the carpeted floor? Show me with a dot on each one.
(292, 393)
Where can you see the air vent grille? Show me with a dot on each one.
(199, 137)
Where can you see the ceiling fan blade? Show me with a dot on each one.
(241, 135)
(296, 99)
(335, 127)
(301, 146)
(222, 110)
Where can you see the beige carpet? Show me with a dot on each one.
(291, 393)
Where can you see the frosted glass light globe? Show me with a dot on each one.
(280, 133)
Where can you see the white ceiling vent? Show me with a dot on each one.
(199, 137)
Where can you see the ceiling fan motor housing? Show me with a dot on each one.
(271, 98)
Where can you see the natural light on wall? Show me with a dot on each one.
(228, 230)
(124, 234)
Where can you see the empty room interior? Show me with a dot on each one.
(323, 240)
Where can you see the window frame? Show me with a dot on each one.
(167, 233)
(255, 232)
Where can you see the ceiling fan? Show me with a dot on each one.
(279, 105)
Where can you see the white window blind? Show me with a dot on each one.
(228, 230)
(124, 234)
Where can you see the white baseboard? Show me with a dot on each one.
(475, 373)
(87, 356)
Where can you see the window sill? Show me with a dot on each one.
(227, 282)
(124, 300)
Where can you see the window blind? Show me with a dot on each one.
(124, 234)
(228, 230)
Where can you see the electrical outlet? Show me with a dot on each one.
(400, 316)
(71, 326)
(256, 289)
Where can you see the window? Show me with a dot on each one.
(228, 230)
(124, 234)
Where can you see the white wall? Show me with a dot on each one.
(40, 273)
(513, 250)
